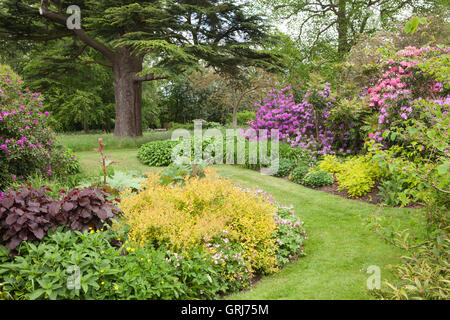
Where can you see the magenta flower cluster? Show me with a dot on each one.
(304, 124)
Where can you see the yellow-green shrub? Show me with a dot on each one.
(330, 164)
(358, 175)
(182, 217)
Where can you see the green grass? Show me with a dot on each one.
(339, 247)
(126, 159)
(87, 142)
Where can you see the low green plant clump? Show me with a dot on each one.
(317, 179)
(298, 174)
(157, 153)
(285, 166)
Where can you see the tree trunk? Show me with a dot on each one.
(85, 125)
(235, 108)
(128, 93)
(342, 26)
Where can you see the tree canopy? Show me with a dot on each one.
(143, 40)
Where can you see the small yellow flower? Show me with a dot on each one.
(103, 251)
(116, 288)
(102, 283)
(132, 250)
(128, 249)
(142, 259)
(162, 282)
(148, 260)
(102, 271)
(92, 231)
(101, 229)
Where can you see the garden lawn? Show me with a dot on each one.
(87, 142)
(126, 159)
(339, 247)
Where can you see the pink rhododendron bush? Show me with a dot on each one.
(410, 76)
(27, 144)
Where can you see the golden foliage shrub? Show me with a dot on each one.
(330, 164)
(182, 217)
(358, 176)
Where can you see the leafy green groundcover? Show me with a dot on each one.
(100, 265)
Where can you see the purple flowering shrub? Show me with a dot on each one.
(411, 75)
(27, 144)
(305, 124)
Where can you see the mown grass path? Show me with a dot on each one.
(339, 247)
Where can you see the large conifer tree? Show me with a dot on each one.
(171, 35)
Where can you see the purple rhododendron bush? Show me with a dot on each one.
(27, 143)
(304, 124)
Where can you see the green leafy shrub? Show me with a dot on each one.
(284, 167)
(178, 172)
(125, 179)
(186, 126)
(242, 117)
(316, 179)
(396, 187)
(298, 155)
(213, 125)
(49, 269)
(298, 174)
(290, 235)
(157, 153)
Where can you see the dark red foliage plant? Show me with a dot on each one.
(24, 215)
(85, 208)
(28, 214)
